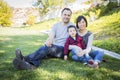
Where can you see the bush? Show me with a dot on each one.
(101, 9)
(108, 8)
(111, 44)
(31, 20)
(5, 14)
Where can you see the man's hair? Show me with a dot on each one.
(66, 9)
(71, 26)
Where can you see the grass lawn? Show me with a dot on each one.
(52, 69)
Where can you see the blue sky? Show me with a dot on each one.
(20, 3)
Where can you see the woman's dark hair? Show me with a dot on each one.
(71, 26)
(66, 9)
(79, 18)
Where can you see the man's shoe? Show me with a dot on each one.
(19, 54)
(22, 65)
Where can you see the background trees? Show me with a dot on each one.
(46, 5)
(5, 14)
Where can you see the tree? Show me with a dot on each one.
(118, 2)
(46, 5)
(5, 14)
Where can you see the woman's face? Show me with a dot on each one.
(82, 24)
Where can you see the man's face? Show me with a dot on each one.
(72, 32)
(66, 16)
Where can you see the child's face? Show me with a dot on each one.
(72, 32)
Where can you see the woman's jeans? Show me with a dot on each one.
(84, 59)
(96, 55)
(43, 52)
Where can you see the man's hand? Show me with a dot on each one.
(48, 43)
(65, 57)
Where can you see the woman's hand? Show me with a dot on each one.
(80, 54)
(65, 57)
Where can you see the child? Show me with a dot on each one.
(75, 43)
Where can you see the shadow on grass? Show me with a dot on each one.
(8, 72)
(57, 69)
(111, 63)
(50, 69)
(28, 44)
(76, 70)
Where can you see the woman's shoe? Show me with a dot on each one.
(94, 65)
(91, 62)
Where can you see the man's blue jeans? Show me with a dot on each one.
(44, 51)
(96, 56)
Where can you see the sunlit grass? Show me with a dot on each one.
(107, 25)
(112, 44)
(107, 31)
(50, 69)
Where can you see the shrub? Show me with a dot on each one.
(101, 9)
(31, 20)
(108, 8)
(5, 14)
(111, 44)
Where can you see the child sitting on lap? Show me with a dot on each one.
(75, 43)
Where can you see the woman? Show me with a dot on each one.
(81, 24)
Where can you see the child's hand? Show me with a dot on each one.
(65, 57)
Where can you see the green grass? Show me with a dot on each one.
(28, 39)
(44, 25)
(107, 25)
(107, 31)
(111, 44)
(52, 69)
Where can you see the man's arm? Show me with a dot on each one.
(51, 36)
(49, 40)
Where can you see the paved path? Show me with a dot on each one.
(109, 53)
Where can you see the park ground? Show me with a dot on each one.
(28, 39)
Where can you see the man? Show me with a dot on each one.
(53, 47)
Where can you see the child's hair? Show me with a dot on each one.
(71, 26)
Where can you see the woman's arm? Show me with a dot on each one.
(89, 44)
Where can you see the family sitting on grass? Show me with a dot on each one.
(64, 37)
